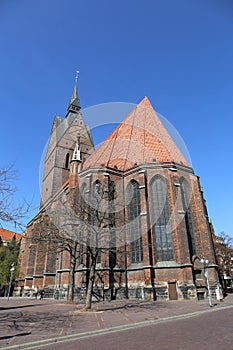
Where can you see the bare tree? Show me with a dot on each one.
(10, 212)
(84, 226)
(102, 231)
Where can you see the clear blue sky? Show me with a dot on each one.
(178, 53)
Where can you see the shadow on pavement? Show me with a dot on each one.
(150, 306)
(18, 307)
(14, 335)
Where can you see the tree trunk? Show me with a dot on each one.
(90, 284)
(70, 297)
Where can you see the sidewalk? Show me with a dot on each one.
(26, 320)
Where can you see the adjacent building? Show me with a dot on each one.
(6, 236)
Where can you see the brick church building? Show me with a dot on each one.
(155, 228)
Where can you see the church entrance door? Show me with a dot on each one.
(172, 291)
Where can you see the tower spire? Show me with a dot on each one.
(74, 105)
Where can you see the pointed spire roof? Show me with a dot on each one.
(74, 96)
(140, 138)
(74, 105)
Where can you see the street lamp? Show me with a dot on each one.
(11, 277)
(205, 263)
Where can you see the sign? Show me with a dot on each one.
(219, 295)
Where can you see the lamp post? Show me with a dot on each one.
(11, 277)
(205, 263)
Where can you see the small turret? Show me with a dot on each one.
(75, 164)
(77, 152)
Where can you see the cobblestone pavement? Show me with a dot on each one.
(26, 320)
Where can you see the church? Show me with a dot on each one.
(135, 199)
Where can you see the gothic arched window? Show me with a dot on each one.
(161, 220)
(186, 198)
(134, 210)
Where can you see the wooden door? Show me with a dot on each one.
(172, 291)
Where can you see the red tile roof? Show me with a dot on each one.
(140, 138)
(7, 235)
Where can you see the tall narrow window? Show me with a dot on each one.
(134, 210)
(83, 214)
(161, 220)
(67, 161)
(97, 218)
(51, 257)
(112, 224)
(186, 198)
(31, 260)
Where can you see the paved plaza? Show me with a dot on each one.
(27, 322)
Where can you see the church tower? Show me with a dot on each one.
(61, 146)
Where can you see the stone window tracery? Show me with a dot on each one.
(134, 210)
(161, 220)
(186, 200)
